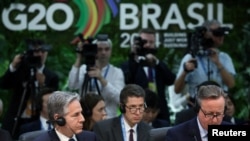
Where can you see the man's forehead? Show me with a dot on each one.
(103, 45)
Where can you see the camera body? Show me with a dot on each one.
(139, 42)
(31, 61)
(221, 31)
(200, 45)
(89, 51)
(28, 57)
(141, 51)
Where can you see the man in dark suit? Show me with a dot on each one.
(65, 113)
(152, 110)
(25, 75)
(210, 106)
(129, 124)
(145, 69)
(41, 106)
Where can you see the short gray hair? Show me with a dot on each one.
(108, 42)
(58, 103)
(209, 92)
(208, 23)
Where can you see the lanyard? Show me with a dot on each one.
(106, 71)
(123, 129)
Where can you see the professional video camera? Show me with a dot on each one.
(199, 44)
(30, 60)
(34, 45)
(221, 31)
(89, 51)
(140, 50)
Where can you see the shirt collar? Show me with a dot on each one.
(127, 127)
(44, 123)
(62, 137)
(203, 132)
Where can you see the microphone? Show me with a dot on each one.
(192, 133)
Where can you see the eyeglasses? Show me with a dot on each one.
(212, 115)
(134, 109)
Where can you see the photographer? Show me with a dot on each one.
(145, 69)
(25, 75)
(110, 79)
(206, 62)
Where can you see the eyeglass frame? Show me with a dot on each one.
(141, 109)
(212, 115)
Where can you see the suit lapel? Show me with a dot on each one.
(117, 129)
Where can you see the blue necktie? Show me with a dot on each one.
(71, 139)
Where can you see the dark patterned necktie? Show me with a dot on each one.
(131, 135)
(49, 126)
(150, 74)
(71, 139)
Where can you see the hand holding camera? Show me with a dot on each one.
(190, 65)
(214, 55)
(16, 61)
(144, 55)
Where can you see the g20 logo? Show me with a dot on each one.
(22, 22)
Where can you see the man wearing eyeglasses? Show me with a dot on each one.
(210, 106)
(144, 68)
(205, 61)
(128, 126)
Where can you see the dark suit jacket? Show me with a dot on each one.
(187, 131)
(135, 74)
(14, 81)
(111, 130)
(52, 136)
(5, 135)
(32, 126)
(238, 121)
(185, 115)
(158, 123)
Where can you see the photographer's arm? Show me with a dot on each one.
(179, 83)
(95, 72)
(78, 55)
(16, 62)
(78, 60)
(227, 78)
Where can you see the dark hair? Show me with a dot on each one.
(43, 91)
(152, 99)
(147, 30)
(131, 90)
(88, 103)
